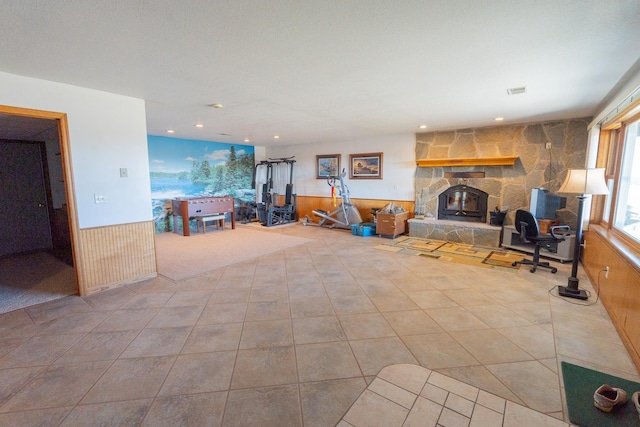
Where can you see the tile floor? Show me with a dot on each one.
(410, 395)
(294, 338)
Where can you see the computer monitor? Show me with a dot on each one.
(544, 205)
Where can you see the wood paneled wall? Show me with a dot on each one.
(115, 255)
(620, 292)
(306, 204)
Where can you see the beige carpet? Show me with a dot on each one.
(180, 257)
(258, 226)
(34, 278)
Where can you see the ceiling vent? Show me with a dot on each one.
(517, 90)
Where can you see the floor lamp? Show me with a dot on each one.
(582, 182)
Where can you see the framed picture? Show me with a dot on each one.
(365, 166)
(327, 165)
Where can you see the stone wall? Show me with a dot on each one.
(508, 186)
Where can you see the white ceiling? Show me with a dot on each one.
(329, 70)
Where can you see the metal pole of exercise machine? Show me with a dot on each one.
(269, 211)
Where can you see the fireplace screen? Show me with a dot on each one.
(462, 203)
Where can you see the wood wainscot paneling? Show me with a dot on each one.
(306, 204)
(620, 292)
(115, 255)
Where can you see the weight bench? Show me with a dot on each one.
(218, 218)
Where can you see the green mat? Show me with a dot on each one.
(580, 383)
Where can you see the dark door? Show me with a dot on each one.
(24, 214)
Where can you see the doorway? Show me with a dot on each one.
(37, 234)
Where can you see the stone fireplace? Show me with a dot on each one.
(472, 158)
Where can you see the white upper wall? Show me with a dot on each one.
(106, 132)
(618, 99)
(398, 166)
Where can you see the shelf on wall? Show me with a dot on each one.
(469, 161)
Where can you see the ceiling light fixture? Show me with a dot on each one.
(499, 119)
(170, 131)
(517, 90)
(247, 140)
(199, 125)
(276, 137)
(423, 126)
(217, 105)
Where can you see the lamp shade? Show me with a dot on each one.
(584, 181)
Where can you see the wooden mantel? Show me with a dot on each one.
(469, 161)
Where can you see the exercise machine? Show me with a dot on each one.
(272, 171)
(346, 213)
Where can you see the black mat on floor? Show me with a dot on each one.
(580, 383)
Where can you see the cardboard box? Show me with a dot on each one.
(392, 225)
(546, 224)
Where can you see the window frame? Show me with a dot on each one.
(609, 158)
(610, 152)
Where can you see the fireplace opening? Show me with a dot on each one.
(463, 203)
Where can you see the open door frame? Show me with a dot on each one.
(65, 154)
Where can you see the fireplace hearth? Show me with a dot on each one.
(463, 203)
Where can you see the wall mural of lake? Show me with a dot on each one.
(188, 168)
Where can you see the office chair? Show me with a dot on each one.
(527, 226)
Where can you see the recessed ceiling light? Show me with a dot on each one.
(224, 134)
(517, 90)
(247, 140)
(499, 119)
(217, 105)
(276, 137)
(199, 125)
(423, 126)
(170, 131)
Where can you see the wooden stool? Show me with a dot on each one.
(218, 218)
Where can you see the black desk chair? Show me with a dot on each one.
(527, 226)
